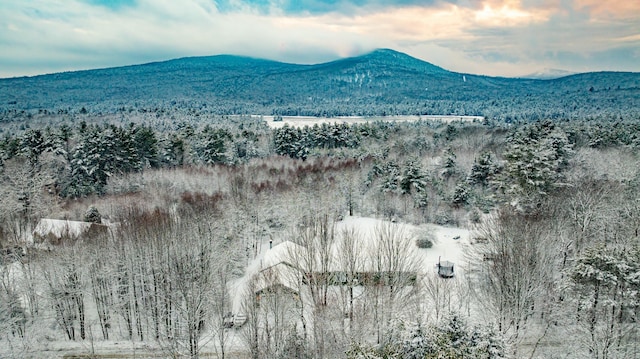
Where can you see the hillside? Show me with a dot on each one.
(382, 82)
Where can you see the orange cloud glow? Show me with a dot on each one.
(422, 23)
(508, 13)
(609, 8)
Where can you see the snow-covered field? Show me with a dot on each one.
(301, 121)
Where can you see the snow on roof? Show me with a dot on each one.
(446, 264)
(279, 274)
(280, 265)
(56, 229)
(286, 251)
(60, 228)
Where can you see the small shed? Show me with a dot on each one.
(445, 269)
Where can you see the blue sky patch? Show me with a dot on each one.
(112, 4)
(316, 7)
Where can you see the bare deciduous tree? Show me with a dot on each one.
(517, 261)
(25, 198)
(394, 269)
(351, 263)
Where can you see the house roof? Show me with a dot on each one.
(61, 228)
(281, 274)
(285, 252)
(365, 257)
(57, 229)
(445, 264)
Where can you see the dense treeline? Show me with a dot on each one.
(86, 156)
(554, 206)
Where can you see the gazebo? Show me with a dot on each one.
(445, 269)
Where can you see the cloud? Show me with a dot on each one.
(497, 37)
(607, 9)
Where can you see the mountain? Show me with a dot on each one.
(385, 59)
(548, 74)
(382, 82)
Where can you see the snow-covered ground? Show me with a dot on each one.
(301, 121)
(448, 245)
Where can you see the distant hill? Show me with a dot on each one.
(383, 82)
(548, 74)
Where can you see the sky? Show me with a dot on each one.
(490, 37)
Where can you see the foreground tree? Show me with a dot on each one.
(514, 264)
(317, 237)
(450, 338)
(24, 198)
(394, 268)
(607, 281)
(66, 288)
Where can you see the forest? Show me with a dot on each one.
(381, 83)
(184, 203)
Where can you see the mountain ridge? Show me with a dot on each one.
(375, 55)
(380, 82)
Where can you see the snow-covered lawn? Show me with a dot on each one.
(448, 243)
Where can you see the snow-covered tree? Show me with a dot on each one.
(516, 261)
(452, 337)
(92, 215)
(33, 144)
(100, 154)
(483, 170)
(536, 157)
(461, 194)
(211, 145)
(290, 141)
(146, 144)
(172, 150)
(412, 179)
(449, 167)
(607, 281)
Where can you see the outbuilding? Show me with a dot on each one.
(445, 269)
